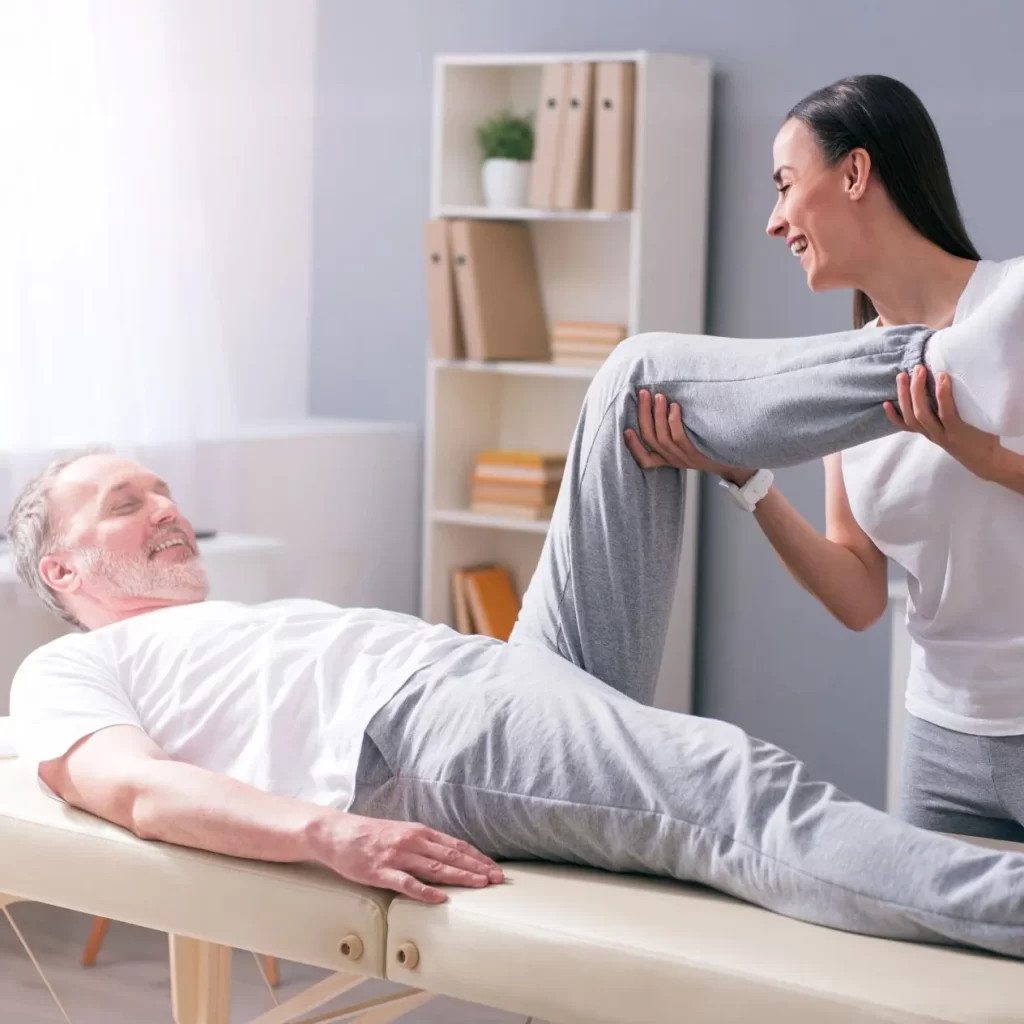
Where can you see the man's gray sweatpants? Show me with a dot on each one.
(547, 747)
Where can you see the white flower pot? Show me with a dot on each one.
(506, 182)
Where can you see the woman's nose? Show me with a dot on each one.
(776, 224)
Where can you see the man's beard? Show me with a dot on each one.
(123, 575)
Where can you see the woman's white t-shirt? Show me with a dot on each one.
(961, 541)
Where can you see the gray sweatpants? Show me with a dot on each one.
(958, 782)
(546, 747)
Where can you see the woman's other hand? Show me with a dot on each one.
(663, 441)
(974, 449)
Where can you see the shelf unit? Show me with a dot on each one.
(645, 268)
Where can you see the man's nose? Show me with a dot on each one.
(164, 509)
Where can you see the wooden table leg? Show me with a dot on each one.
(96, 937)
(200, 981)
(270, 968)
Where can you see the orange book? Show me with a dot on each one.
(582, 348)
(493, 601)
(460, 603)
(518, 475)
(515, 494)
(518, 457)
(588, 330)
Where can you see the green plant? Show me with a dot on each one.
(506, 136)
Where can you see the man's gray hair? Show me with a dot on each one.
(32, 533)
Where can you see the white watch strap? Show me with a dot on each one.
(752, 491)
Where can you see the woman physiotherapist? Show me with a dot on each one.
(865, 202)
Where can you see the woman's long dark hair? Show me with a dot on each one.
(885, 118)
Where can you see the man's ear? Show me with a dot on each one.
(856, 172)
(58, 574)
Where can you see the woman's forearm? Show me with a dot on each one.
(851, 590)
(1008, 470)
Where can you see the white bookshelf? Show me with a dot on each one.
(645, 268)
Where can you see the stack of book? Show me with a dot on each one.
(523, 484)
(485, 600)
(584, 343)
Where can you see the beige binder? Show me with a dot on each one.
(498, 290)
(446, 340)
(614, 117)
(547, 142)
(573, 182)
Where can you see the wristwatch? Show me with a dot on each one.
(752, 491)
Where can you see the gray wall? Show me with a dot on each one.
(769, 658)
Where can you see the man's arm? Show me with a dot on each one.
(121, 775)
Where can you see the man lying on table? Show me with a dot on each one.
(405, 755)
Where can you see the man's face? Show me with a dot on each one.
(121, 539)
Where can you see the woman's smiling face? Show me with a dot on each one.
(814, 213)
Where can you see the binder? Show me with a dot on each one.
(614, 119)
(493, 601)
(498, 291)
(446, 341)
(460, 602)
(573, 182)
(547, 142)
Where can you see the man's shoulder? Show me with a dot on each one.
(84, 648)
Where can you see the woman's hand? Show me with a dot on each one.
(974, 449)
(665, 442)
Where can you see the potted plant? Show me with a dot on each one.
(506, 141)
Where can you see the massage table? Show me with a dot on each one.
(557, 943)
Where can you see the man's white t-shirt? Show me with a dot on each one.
(961, 542)
(276, 695)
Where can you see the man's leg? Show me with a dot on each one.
(528, 757)
(603, 588)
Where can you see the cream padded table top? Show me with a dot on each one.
(582, 947)
(57, 855)
(563, 944)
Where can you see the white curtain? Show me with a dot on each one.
(109, 323)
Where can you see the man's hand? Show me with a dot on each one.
(120, 774)
(974, 449)
(399, 855)
(665, 442)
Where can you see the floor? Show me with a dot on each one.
(129, 983)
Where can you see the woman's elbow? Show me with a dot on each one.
(861, 617)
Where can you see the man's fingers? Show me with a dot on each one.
(463, 847)
(431, 869)
(401, 882)
(469, 860)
